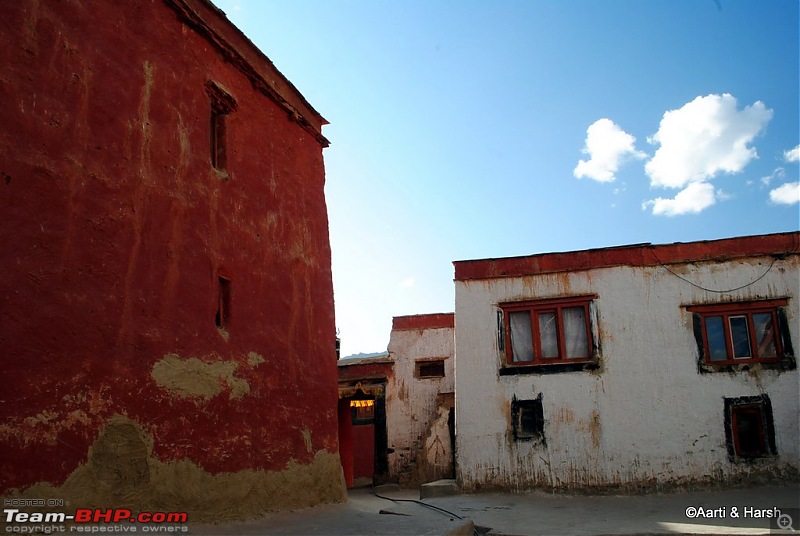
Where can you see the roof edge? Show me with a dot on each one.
(211, 23)
(630, 255)
(424, 321)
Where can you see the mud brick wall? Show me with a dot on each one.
(166, 318)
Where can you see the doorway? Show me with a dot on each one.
(362, 434)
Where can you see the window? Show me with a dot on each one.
(223, 315)
(749, 429)
(542, 332)
(736, 333)
(218, 144)
(429, 368)
(527, 417)
(222, 104)
(362, 411)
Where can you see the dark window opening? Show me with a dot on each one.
(222, 105)
(749, 428)
(527, 417)
(748, 431)
(218, 144)
(430, 369)
(222, 318)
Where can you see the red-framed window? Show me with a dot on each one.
(547, 331)
(743, 332)
(749, 428)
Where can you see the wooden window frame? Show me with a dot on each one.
(762, 406)
(424, 363)
(758, 411)
(222, 105)
(740, 309)
(536, 307)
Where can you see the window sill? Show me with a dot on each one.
(221, 174)
(535, 439)
(783, 364)
(766, 459)
(554, 368)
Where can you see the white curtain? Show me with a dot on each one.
(548, 334)
(574, 319)
(521, 337)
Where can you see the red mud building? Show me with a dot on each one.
(166, 306)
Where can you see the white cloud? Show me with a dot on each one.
(721, 195)
(787, 194)
(408, 282)
(779, 173)
(703, 138)
(607, 146)
(695, 198)
(792, 155)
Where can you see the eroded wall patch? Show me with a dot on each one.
(195, 378)
(122, 472)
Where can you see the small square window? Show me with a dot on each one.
(527, 418)
(749, 429)
(429, 368)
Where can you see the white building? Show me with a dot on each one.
(396, 412)
(629, 367)
(419, 398)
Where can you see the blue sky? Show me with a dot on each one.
(465, 130)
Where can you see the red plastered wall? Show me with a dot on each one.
(116, 229)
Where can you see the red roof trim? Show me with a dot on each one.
(633, 255)
(429, 321)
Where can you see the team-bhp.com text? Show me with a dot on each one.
(48, 522)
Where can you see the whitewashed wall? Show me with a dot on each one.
(646, 417)
(418, 437)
